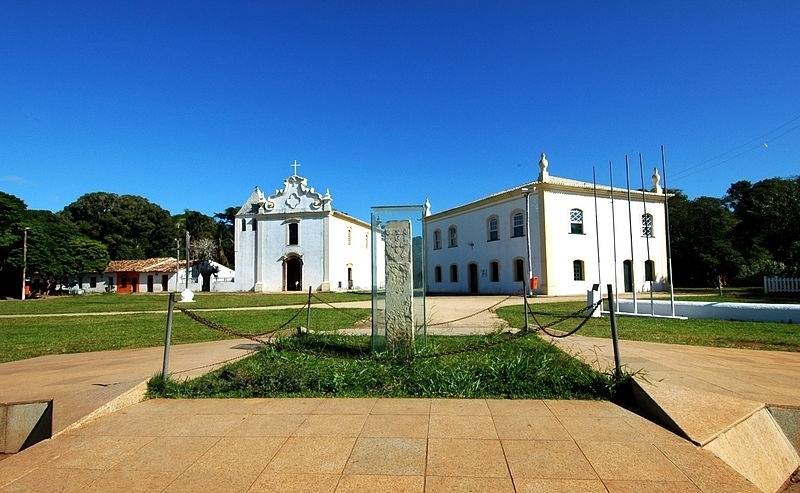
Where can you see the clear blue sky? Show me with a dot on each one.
(192, 104)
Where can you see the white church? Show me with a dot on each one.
(552, 236)
(293, 240)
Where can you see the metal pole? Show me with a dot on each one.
(596, 224)
(630, 232)
(167, 337)
(614, 336)
(613, 222)
(308, 311)
(669, 247)
(525, 305)
(647, 236)
(528, 241)
(187, 259)
(24, 258)
(177, 263)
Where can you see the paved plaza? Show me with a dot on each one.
(328, 444)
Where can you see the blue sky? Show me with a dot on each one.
(192, 104)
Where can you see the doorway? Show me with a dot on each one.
(473, 278)
(627, 273)
(294, 274)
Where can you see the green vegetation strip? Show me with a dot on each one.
(523, 368)
(26, 337)
(713, 333)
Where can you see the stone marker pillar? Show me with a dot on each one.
(399, 288)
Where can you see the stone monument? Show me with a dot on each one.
(399, 287)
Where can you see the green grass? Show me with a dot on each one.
(697, 332)
(28, 337)
(98, 303)
(520, 368)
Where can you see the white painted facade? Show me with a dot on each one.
(560, 235)
(293, 240)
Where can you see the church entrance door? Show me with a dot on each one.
(294, 274)
(473, 278)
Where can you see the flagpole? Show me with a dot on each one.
(669, 247)
(648, 232)
(630, 232)
(614, 231)
(596, 225)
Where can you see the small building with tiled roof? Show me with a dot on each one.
(162, 274)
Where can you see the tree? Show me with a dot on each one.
(130, 226)
(702, 241)
(225, 222)
(768, 229)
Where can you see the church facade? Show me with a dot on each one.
(293, 240)
(553, 236)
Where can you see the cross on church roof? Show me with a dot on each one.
(295, 164)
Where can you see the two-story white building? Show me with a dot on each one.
(293, 240)
(552, 236)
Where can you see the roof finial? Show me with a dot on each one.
(543, 174)
(656, 178)
(295, 164)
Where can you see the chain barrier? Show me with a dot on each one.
(338, 308)
(588, 309)
(471, 315)
(524, 332)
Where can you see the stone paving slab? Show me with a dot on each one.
(342, 445)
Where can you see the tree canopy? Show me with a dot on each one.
(130, 226)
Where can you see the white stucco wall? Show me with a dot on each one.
(554, 247)
(757, 312)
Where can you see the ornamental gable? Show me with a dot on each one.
(295, 197)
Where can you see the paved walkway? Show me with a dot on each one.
(370, 444)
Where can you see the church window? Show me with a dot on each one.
(518, 223)
(294, 233)
(576, 221)
(649, 270)
(647, 225)
(244, 224)
(493, 232)
(437, 239)
(519, 270)
(437, 273)
(577, 270)
(254, 224)
(452, 237)
(494, 271)
(454, 273)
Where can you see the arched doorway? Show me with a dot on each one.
(473, 278)
(627, 273)
(293, 273)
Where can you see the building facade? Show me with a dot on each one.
(552, 236)
(293, 240)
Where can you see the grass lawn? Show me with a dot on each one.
(28, 337)
(519, 368)
(715, 333)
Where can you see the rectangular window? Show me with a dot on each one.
(244, 224)
(255, 224)
(437, 240)
(647, 226)
(452, 236)
(92, 282)
(649, 271)
(493, 232)
(437, 274)
(577, 270)
(519, 270)
(576, 221)
(494, 271)
(519, 227)
(453, 273)
(294, 236)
